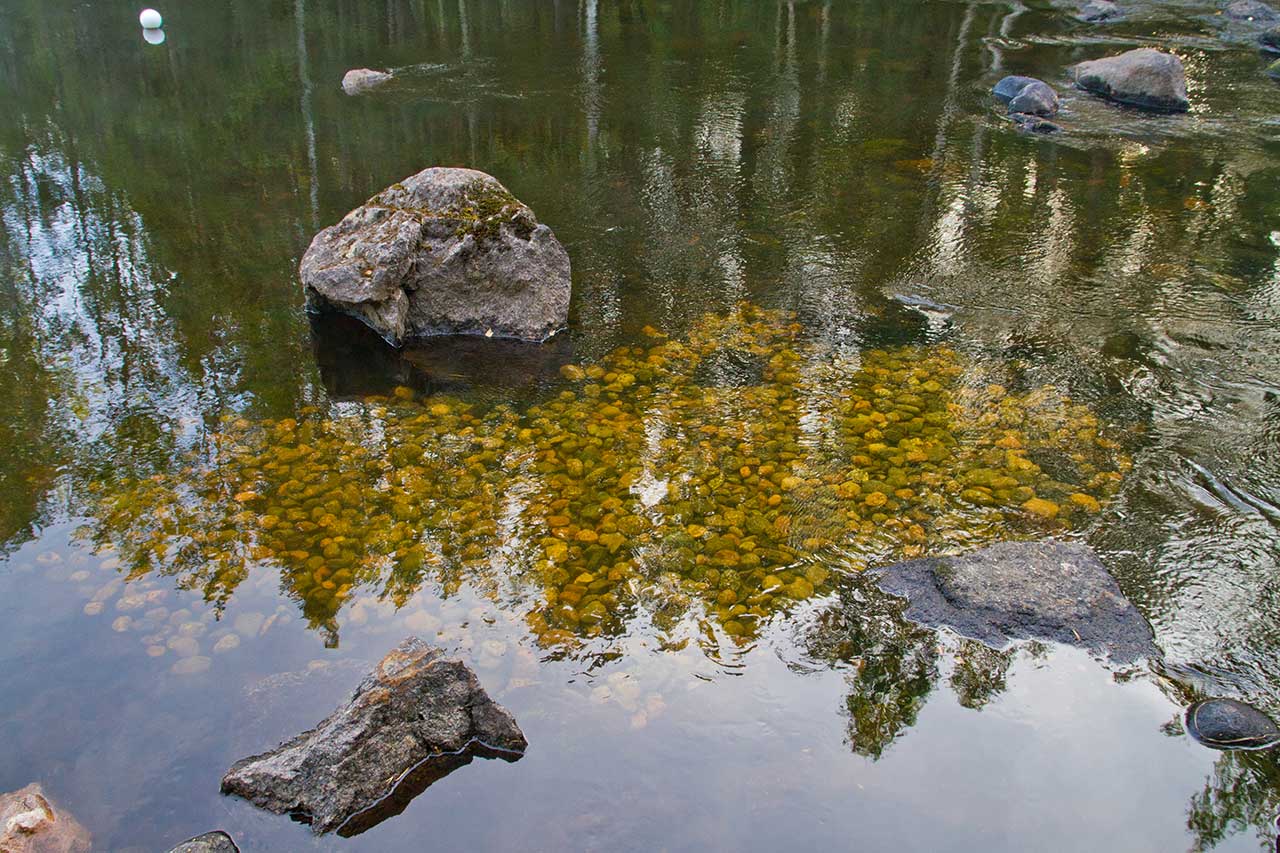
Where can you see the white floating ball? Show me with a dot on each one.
(153, 36)
(150, 19)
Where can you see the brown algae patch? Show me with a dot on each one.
(640, 488)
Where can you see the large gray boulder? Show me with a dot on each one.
(1046, 589)
(210, 842)
(31, 823)
(447, 251)
(1146, 78)
(417, 716)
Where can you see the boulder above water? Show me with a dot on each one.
(1045, 589)
(446, 251)
(357, 81)
(416, 717)
(1146, 78)
(210, 842)
(1027, 96)
(31, 823)
(1231, 724)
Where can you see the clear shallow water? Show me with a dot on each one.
(814, 159)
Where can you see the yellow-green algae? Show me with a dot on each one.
(635, 489)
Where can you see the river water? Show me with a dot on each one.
(831, 309)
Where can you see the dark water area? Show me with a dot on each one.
(831, 309)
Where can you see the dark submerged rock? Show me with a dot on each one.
(416, 717)
(31, 823)
(1145, 78)
(1098, 11)
(1251, 10)
(210, 842)
(1034, 124)
(1230, 724)
(447, 251)
(1010, 86)
(357, 81)
(1045, 590)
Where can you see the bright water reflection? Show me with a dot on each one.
(1104, 303)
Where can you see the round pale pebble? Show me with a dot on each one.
(601, 694)
(49, 558)
(421, 621)
(156, 596)
(248, 623)
(226, 644)
(153, 640)
(184, 647)
(93, 608)
(156, 651)
(131, 601)
(122, 624)
(177, 617)
(110, 564)
(192, 629)
(190, 666)
(150, 19)
(107, 590)
(79, 577)
(158, 614)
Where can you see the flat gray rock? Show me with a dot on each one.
(1045, 590)
(210, 842)
(1145, 78)
(416, 717)
(447, 251)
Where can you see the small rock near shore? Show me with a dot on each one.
(210, 842)
(357, 81)
(1146, 78)
(1231, 724)
(31, 823)
(446, 251)
(1028, 96)
(349, 772)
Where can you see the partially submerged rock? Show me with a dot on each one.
(210, 842)
(415, 718)
(1231, 724)
(1098, 11)
(357, 81)
(1269, 40)
(1145, 78)
(447, 251)
(1045, 590)
(1027, 96)
(1253, 11)
(31, 823)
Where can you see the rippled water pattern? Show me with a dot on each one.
(831, 310)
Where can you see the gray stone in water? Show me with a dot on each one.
(357, 81)
(446, 251)
(1045, 589)
(1027, 95)
(1270, 40)
(31, 823)
(415, 718)
(1230, 724)
(210, 842)
(1098, 11)
(1145, 78)
(1034, 124)
(1251, 10)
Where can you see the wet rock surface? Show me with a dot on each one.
(31, 823)
(1251, 10)
(1046, 589)
(357, 81)
(1027, 96)
(1145, 78)
(1099, 11)
(446, 251)
(417, 716)
(1231, 724)
(210, 842)
(1269, 40)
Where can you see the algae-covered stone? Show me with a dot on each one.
(416, 705)
(446, 251)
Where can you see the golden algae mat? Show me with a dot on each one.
(723, 476)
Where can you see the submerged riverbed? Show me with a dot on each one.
(831, 310)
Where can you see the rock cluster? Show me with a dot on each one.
(446, 251)
(351, 771)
